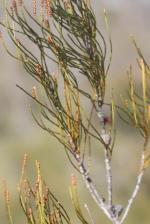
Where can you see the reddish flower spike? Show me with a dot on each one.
(48, 8)
(20, 2)
(34, 6)
(73, 180)
(14, 4)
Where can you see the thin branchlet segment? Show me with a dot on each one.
(137, 185)
(109, 178)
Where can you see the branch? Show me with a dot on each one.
(100, 201)
(109, 177)
(107, 140)
(137, 186)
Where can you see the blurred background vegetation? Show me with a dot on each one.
(19, 133)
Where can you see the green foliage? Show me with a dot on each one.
(67, 34)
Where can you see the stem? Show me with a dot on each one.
(93, 192)
(106, 138)
(109, 178)
(89, 213)
(136, 189)
(91, 187)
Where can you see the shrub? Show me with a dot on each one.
(66, 33)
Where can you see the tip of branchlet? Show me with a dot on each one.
(34, 92)
(105, 13)
(73, 180)
(24, 160)
(6, 192)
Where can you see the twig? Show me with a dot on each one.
(109, 177)
(137, 186)
(139, 179)
(106, 138)
(89, 213)
(100, 201)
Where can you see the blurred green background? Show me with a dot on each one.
(19, 133)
